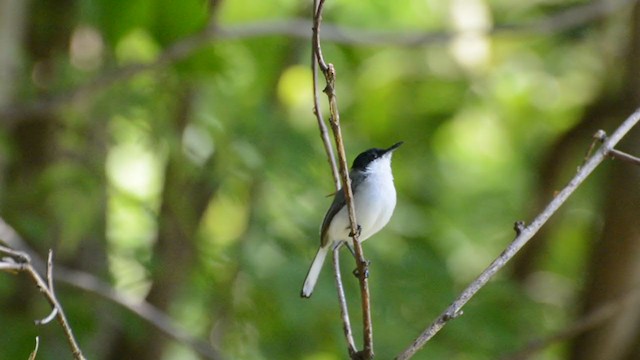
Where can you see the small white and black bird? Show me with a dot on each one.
(374, 201)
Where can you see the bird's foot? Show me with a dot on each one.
(365, 266)
(357, 233)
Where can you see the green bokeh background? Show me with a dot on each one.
(480, 114)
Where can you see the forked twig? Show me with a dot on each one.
(23, 264)
(93, 285)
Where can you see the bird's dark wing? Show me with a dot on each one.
(339, 201)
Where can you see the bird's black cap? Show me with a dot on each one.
(365, 158)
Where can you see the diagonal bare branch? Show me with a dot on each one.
(524, 234)
(93, 285)
(48, 292)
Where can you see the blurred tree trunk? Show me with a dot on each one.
(91, 255)
(33, 137)
(12, 34)
(614, 268)
(187, 192)
(30, 203)
(12, 28)
(564, 154)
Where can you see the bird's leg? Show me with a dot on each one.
(366, 263)
(339, 244)
(356, 273)
(351, 250)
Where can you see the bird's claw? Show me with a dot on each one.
(357, 233)
(365, 265)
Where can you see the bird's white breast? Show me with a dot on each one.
(375, 200)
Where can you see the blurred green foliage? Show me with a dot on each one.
(476, 129)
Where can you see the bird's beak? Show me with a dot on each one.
(393, 147)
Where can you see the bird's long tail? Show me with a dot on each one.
(314, 272)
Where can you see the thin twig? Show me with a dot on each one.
(344, 310)
(598, 138)
(326, 141)
(624, 156)
(34, 353)
(22, 256)
(329, 73)
(49, 317)
(324, 134)
(54, 311)
(11, 266)
(49, 294)
(50, 269)
(93, 285)
(454, 310)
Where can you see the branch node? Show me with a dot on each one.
(365, 266)
(452, 314)
(600, 135)
(518, 227)
(355, 234)
(21, 257)
(331, 74)
(362, 355)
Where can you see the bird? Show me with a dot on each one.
(374, 198)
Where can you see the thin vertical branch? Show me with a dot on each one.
(34, 353)
(326, 141)
(324, 134)
(344, 310)
(50, 270)
(54, 311)
(329, 73)
(524, 234)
